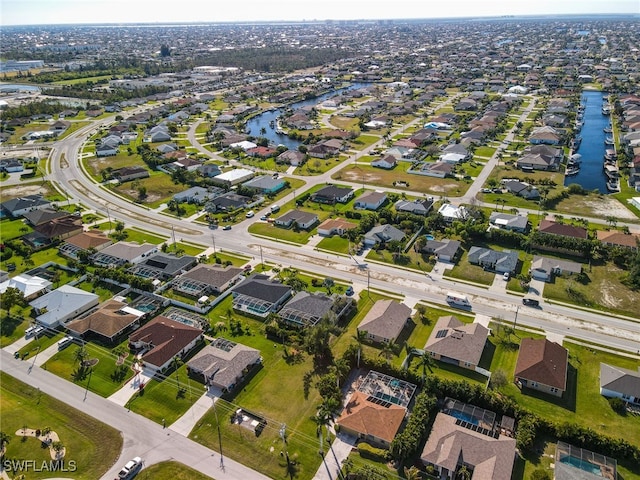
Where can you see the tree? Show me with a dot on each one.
(387, 351)
(58, 447)
(4, 440)
(165, 51)
(80, 355)
(426, 363)
(498, 379)
(359, 337)
(411, 473)
(463, 473)
(11, 297)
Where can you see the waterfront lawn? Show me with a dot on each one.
(167, 398)
(171, 470)
(93, 445)
(102, 380)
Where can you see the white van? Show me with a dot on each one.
(250, 214)
(275, 208)
(65, 342)
(458, 300)
(29, 332)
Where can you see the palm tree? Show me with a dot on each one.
(176, 362)
(321, 419)
(4, 440)
(387, 351)
(426, 362)
(359, 337)
(411, 473)
(463, 473)
(80, 355)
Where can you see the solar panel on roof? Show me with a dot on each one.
(441, 333)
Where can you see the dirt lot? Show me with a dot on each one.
(597, 206)
(23, 190)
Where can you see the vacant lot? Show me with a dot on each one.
(93, 445)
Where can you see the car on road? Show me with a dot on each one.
(131, 469)
(530, 302)
(263, 218)
(226, 227)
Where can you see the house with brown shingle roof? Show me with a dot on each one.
(455, 342)
(542, 365)
(109, 321)
(453, 443)
(162, 339)
(554, 228)
(614, 238)
(96, 240)
(372, 422)
(385, 321)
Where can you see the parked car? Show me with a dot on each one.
(349, 291)
(250, 214)
(65, 342)
(506, 276)
(131, 469)
(226, 227)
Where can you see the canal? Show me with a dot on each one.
(268, 119)
(592, 147)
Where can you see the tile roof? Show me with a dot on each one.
(386, 319)
(621, 380)
(454, 339)
(223, 362)
(109, 320)
(369, 418)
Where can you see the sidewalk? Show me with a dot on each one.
(186, 422)
(122, 396)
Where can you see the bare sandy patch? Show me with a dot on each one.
(23, 190)
(608, 206)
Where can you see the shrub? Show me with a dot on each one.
(618, 405)
(372, 453)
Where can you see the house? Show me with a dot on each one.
(162, 339)
(375, 411)
(370, 200)
(570, 463)
(452, 341)
(550, 227)
(196, 195)
(383, 234)
(614, 238)
(11, 165)
(307, 309)
(226, 202)
(126, 174)
(60, 228)
(540, 157)
(63, 304)
(163, 266)
(43, 215)
(258, 296)
(106, 150)
(266, 184)
(261, 152)
(108, 322)
(223, 364)
(123, 252)
(618, 382)
(94, 240)
(542, 365)
(451, 213)
(432, 169)
(544, 268)
(545, 135)
(209, 170)
(29, 286)
(206, 279)
(371, 421)
(16, 207)
(291, 157)
(233, 177)
(522, 189)
(489, 259)
(332, 226)
(385, 321)
(507, 221)
(453, 443)
(304, 220)
(445, 250)
(387, 162)
(417, 207)
(332, 194)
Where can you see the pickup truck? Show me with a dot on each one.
(131, 469)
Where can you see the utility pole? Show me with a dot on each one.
(515, 319)
(261, 258)
(368, 283)
(109, 217)
(215, 412)
(213, 240)
(173, 235)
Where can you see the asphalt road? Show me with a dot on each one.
(142, 437)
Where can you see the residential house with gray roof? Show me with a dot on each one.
(266, 184)
(385, 321)
(507, 221)
(163, 266)
(501, 262)
(544, 268)
(123, 252)
(259, 296)
(618, 382)
(17, 207)
(445, 250)
(417, 207)
(205, 279)
(458, 343)
(370, 200)
(383, 234)
(304, 220)
(223, 364)
(332, 194)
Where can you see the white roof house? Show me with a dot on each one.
(63, 304)
(244, 145)
(30, 286)
(450, 212)
(235, 176)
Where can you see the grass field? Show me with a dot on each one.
(101, 381)
(10, 229)
(334, 243)
(92, 445)
(170, 471)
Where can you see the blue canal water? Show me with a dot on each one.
(264, 119)
(592, 148)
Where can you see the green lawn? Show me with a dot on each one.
(104, 290)
(10, 229)
(334, 243)
(40, 344)
(169, 398)
(170, 470)
(12, 327)
(92, 445)
(160, 189)
(101, 381)
(466, 272)
(582, 403)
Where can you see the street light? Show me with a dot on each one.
(215, 412)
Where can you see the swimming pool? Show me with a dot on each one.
(581, 464)
(464, 417)
(429, 237)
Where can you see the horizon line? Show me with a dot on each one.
(626, 15)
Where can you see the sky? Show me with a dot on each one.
(30, 12)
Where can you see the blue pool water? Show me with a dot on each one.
(581, 464)
(429, 237)
(463, 416)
